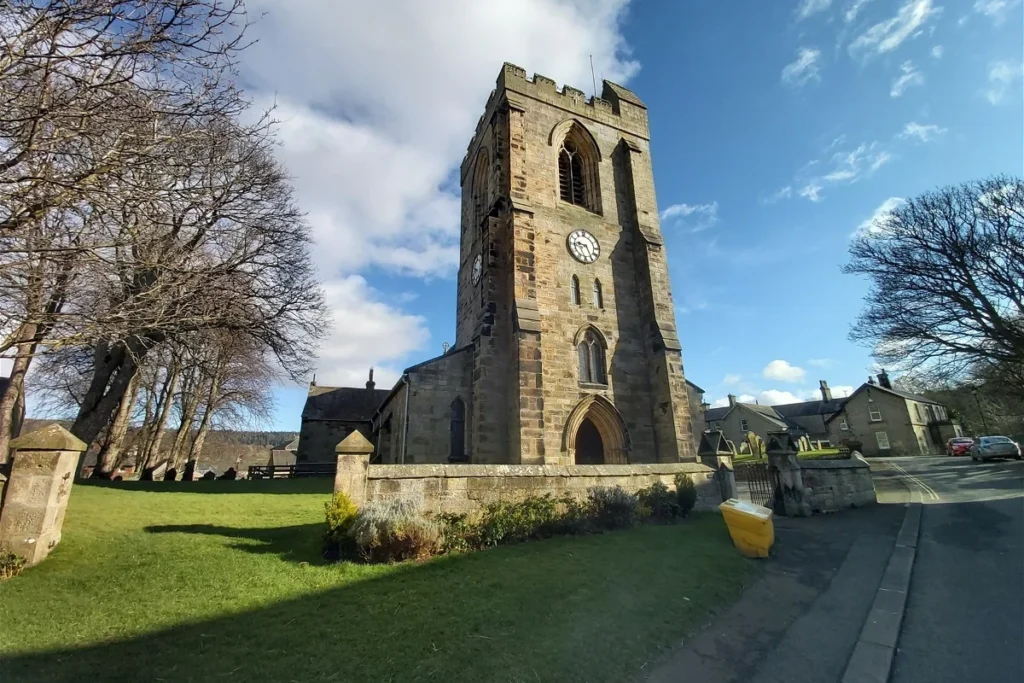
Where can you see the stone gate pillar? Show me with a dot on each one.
(783, 458)
(37, 492)
(353, 453)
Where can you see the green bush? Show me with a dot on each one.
(663, 503)
(341, 512)
(393, 531)
(10, 565)
(614, 508)
(458, 534)
(686, 494)
(510, 522)
(576, 516)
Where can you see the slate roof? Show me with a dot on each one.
(903, 394)
(356, 404)
(292, 445)
(713, 414)
(809, 408)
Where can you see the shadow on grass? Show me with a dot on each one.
(298, 543)
(593, 608)
(301, 485)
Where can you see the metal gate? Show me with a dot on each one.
(758, 483)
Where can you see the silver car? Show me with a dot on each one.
(986, 447)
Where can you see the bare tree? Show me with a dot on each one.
(947, 280)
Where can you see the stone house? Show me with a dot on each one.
(285, 453)
(887, 421)
(566, 347)
(806, 418)
(332, 413)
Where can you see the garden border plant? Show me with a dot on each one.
(394, 530)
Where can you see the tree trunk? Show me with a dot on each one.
(12, 402)
(189, 405)
(204, 425)
(110, 453)
(163, 410)
(113, 370)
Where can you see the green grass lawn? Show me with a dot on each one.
(804, 455)
(209, 581)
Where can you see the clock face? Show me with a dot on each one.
(583, 246)
(478, 268)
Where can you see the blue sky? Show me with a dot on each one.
(778, 128)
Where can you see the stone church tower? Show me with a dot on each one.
(566, 347)
(563, 292)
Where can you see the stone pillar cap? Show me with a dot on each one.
(354, 444)
(52, 437)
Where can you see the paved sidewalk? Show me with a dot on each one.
(800, 621)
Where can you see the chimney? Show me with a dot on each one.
(732, 400)
(883, 379)
(705, 407)
(871, 380)
(312, 382)
(826, 393)
(370, 384)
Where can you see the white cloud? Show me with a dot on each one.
(782, 193)
(775, 397)
(783, 371)
(812, 191)
(876, 223)
(807, 8)
(923, 132)
(1001, 77)
(908, 77)
(996, 10)
(820, 362)
(844, 167)
(937, 51)
(853, 10)
(802, 69)
(365, 332)
(842, 390)
(732, 379)
(378, 102)
(696, 217)
(888, 35)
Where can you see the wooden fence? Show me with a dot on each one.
(309, 469)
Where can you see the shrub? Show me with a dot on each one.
(686, 494)
(663, 504)
(458, 534)
(10, 565)
(613, 508)
(393, 531)
(510, 522)
(575, 516)
(341, 512)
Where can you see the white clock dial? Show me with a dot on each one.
(478, 268)
(583, 246)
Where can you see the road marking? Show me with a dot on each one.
(927, 489)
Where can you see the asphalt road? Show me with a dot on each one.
(965, 613)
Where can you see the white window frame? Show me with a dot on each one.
(844, 425)
(881, 437)
(744, 425)
(872, 412)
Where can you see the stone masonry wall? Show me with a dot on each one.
(432, 388)
(466, 488)
(831, 485)
(317, 438)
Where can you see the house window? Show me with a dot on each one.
(571, 185)
(574, 291)
(917, 407)
(883, 440)
(875, 414)
(843, 425)
(598, 297)
(590, 357)
(743, 425)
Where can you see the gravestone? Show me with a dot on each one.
(38, 487)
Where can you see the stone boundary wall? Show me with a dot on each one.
(832, 485)
(467, 488)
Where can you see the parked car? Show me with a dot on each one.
(959, 445)
(986, 447)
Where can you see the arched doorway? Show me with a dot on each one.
(589, 447)
(595, 434)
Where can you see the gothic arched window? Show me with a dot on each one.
(481, 189)
(571, 182)
(598, 296)
(590, 357)
(574, 291)
(458, 431)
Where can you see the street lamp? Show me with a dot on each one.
(981, 411)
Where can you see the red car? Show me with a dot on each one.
(959, 445)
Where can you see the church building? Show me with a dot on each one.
(566, 347)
